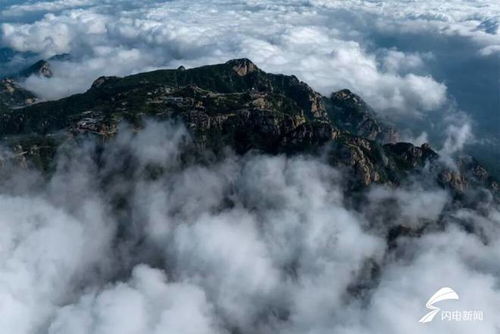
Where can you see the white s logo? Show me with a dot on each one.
(442, 294)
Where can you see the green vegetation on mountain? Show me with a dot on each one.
(235, 105)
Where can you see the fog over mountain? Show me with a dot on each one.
(325, 186)
(249, 244)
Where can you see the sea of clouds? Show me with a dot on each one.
(326, 43)
(244, 244)
(253, 244)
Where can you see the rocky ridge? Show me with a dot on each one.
(12, 95)
(238, 105)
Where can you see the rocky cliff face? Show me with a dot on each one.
(350, 112)
(13, 95)
(233, 105)
(41, 68)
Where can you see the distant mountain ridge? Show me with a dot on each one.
(13, 94)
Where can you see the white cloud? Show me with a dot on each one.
(477, 20)
(397, 61)
(147, 303)
(291, 38)
(44, 6)
(452, 255)
(257, 244)
(44, 256)
(458, 134)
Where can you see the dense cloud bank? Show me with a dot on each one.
(130, 238)
(327, 43)
(308, 39)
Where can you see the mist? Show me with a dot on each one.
(130, 236)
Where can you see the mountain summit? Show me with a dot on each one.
(237, 105)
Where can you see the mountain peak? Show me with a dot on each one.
(41, 69)
(242, 66)
(346, 95)
(352, 113)
(99, 82)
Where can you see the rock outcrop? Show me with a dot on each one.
(349, 111)
(41, 68)
(14, 96)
